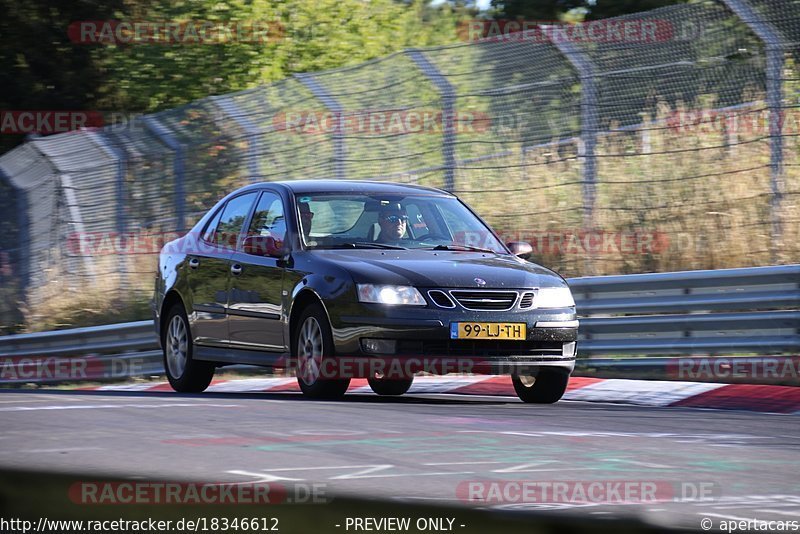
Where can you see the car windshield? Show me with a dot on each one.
(352, 220)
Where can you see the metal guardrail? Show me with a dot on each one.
(731, 311)
(744, 312)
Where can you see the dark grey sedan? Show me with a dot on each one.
(344, 279)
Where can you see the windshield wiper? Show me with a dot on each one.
(463, 247)
(364, 244)
(378, 245)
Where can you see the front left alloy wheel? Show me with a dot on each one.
(185, 375)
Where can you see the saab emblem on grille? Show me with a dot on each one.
(480, 281)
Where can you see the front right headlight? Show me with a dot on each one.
(380, 294)
(554, 297)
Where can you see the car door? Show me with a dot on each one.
(210, 271)
(255, 298)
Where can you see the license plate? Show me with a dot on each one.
(487, 330)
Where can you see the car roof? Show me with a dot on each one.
(352, 186)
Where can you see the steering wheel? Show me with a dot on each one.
(431, 237)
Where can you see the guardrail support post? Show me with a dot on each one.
(775, 59)
(230, 109)
(166, 137)
(337, 137)
(589, 125)
(448, 96)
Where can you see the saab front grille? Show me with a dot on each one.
(485, 300)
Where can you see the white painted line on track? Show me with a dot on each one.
(728, 517)
(249, 385)
(363, 471)
(113, 406)
(467, 463)
(129, 387)
(519, 468)
(792, 513)
(417, 498)
(425, 385)
(643, 464)
(64, 449)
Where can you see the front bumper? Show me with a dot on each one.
(423, 340)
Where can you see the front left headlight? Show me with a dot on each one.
(380, 294)
(554, 297)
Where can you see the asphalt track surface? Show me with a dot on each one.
(420, 448)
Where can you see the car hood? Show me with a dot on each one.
(428, 268)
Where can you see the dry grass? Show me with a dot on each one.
(690, 201)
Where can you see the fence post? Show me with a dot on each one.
(775, 52)
(252, 132)
(166, 137)
(448, 96)
(23, 252)
(76, 218)
(113, 151)
(589, 125)
(338, 133)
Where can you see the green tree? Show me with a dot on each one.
(45, 70)
(550, 10)
(42, 69)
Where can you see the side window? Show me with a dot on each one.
(269, 219)
(232, 219)
(211, 227)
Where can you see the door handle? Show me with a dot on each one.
(236, 269)
(194, 263)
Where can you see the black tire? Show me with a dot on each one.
(314, 385)
(547, 387)
(194, 376)
(389, 386)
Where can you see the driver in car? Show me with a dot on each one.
(392, 220)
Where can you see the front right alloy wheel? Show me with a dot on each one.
(547, 387)
(313, 349)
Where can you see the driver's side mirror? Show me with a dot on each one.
(520, 248)
(261, 245)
